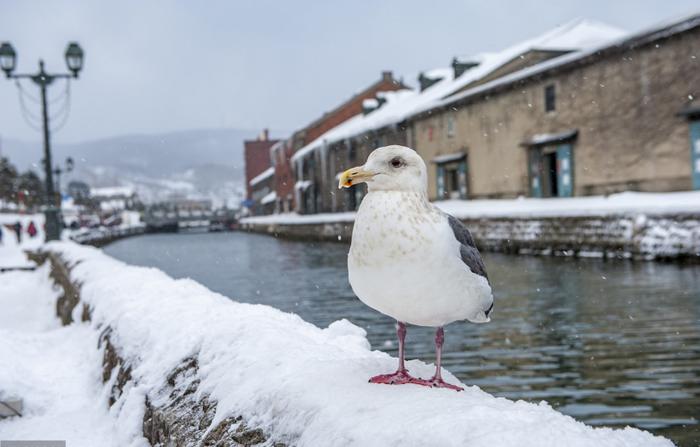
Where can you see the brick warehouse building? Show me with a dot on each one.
(623, 116)
(256, 155)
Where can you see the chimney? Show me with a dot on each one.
(425, 82)
(459, 67)
(387, 76)
(264, 135)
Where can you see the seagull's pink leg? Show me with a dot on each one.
(437, 381)
(401, 376)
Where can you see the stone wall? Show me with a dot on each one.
(176, 413)
(614, 236)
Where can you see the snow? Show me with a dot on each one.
(303, 385)
(614, 204)
(113, 191)
(267, 173)
(302, 184)
(269, 198)
(439, 73)
(54, 370)
(446, 158)
(544, 138)
(23, 311)
(300, 219)
(9, 255)
(370, 103)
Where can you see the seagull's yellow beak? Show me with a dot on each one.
(353, 176)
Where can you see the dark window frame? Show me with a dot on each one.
(550, 98)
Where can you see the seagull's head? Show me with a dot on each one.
(389, 168)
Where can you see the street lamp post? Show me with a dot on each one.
(74, 60)
(58, 171)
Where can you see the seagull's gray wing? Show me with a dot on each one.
(468, 251)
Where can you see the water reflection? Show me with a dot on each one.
(611, 343)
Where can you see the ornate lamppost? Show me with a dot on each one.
(74, 60)
(67, 168)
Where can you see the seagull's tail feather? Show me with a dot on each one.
(482, 316)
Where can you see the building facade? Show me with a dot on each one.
(582, 109)
(624, 117)
(263, 198)
(256, 155)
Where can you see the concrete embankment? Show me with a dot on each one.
(99, 237)
(673, 236)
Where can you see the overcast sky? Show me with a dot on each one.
(155, 66)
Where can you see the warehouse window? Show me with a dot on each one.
(450, 126)
(550, 99)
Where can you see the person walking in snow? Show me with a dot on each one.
(18, 231)
(31, 229)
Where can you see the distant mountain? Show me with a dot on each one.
(194, 163)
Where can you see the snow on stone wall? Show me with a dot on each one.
(630, 224)
(190, 366)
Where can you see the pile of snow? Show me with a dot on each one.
(301, 384)
(54, 370)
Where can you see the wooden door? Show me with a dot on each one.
(535, 170)
(695, 152)
(565, 171)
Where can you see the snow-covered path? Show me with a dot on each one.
(54, 369)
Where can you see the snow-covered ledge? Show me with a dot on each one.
(191, 365)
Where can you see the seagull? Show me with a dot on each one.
(408, 259)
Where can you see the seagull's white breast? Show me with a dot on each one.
(404, 261)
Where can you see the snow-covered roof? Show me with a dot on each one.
(403, 104)
(574, 35)
(302, 184)
(546, 138)
(262, 176)
(113, 191)
(274, 147)
(269, 197)
(439, 73)
(370, 103)
(446, 158)
(388, 113)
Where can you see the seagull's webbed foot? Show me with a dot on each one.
(437, 382)
(400, 377)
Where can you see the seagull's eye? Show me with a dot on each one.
(396, 162)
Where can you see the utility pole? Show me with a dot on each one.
(74, 60)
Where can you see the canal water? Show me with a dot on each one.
(610, 343)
